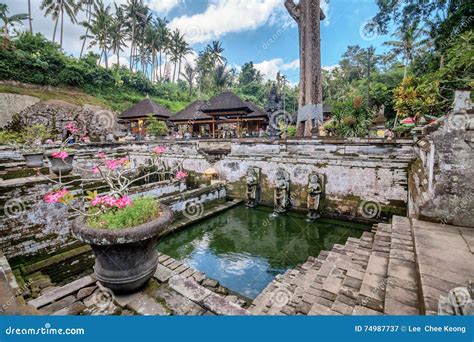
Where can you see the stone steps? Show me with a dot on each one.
(366, 276)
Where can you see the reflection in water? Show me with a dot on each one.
(245, 248)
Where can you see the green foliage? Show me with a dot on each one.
(156, 127)
(291, 131)
(142, 210)
(350, 118)
(414, 99)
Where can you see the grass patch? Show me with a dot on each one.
(73, 96)
(142, 210)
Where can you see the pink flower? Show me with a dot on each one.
(110, 201)
(101, 155)
(181, 175)
(122, 202)
(95, 170)
(112, 164)
(123, 160)
(49, 141)
(55, 196)
(106, 200)
(71, 127)
(60, 154)
(159, 149)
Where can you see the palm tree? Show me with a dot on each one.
(183, 49)
(10, 20)
(214, 51)
(133, 12)
(51, 8)
(222, 77)
(99, 28)
(189, 74)
(408, 45)
(57, 8)
(117, 32)
(87, 6)
(163, 37)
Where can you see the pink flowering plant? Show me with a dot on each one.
(73, 132)
(114, 209)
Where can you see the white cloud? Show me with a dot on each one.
(330, 67)
(226, 16)
(270, 68)
(112, 59)
(326, 10)
(162, 6)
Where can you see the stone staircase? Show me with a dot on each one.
(372, 275)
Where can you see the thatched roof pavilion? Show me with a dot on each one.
(143, 109)
(208, 118)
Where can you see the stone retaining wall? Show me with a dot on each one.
(441, 183)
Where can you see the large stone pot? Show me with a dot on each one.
(33, 160)
(125, 259)
(61, 167)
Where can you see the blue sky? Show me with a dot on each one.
(250, 30)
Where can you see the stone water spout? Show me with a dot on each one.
(281, 192)
(253, 186)
(315, 190)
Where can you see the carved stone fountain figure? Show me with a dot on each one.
(315, 190)
(252, 180)
(281, 192)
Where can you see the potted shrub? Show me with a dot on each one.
(61, 160)
(32, 149)
(121, 230)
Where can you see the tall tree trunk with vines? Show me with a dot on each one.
(307, 14)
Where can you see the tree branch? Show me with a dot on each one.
(293, 9)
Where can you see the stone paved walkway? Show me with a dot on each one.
(175, 289)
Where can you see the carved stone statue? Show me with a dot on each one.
(281, 191)
(315, 190)
(252, 180)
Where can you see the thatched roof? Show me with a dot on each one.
(191, 112)
(256, 111)
(145, 108)
(226, 102)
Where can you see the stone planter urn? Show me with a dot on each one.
(60, 166)
(33, 160)
(125, 259)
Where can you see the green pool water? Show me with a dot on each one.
(244, 249)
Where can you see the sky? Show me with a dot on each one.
(260, 31)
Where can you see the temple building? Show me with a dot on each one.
(225, 115)
(135, 117)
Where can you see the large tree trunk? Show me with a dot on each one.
(307, 14)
